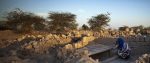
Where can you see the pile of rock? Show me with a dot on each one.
(143, 59)
(30, 48)
(44, 37)
(41, 43)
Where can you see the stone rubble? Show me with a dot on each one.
(47, 48)
(34, 48)
(145, 58)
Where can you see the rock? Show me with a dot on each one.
(63, 36)
(39, 36)
(47, 37)
(77, 34)
(55, 36)
(84, 39)
(86, 59)
(143, 59)
(34, 43)
(20, 39)
(33, 36)
(28, 47)
(77, 45)
(68, 46)
(27, 35)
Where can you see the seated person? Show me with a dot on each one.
(121, 45)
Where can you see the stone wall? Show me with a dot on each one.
(81, 43)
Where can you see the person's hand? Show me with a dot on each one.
(116, 46)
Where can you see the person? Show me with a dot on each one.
(121, 44)
(123, 48)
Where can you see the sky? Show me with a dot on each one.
(122, 12)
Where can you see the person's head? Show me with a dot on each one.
(120, 36)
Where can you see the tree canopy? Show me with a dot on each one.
(85, 27)
(62, 21)
(99, 22)
(23, 21)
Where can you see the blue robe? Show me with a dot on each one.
(120, 43)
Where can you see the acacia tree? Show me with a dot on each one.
(85, 27)
(21, 21)
(123, 28)
(99, 22)
(62, 21)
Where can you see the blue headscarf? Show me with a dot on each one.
(120, 43)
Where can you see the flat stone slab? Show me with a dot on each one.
(95, 49)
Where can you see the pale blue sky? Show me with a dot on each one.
(123, 12)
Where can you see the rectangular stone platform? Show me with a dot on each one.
(98, 51)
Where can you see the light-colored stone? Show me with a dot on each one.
(143, 59)
(28, 47)
(39, 36)
(34, 43)
(68, 46)
(63, 36)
